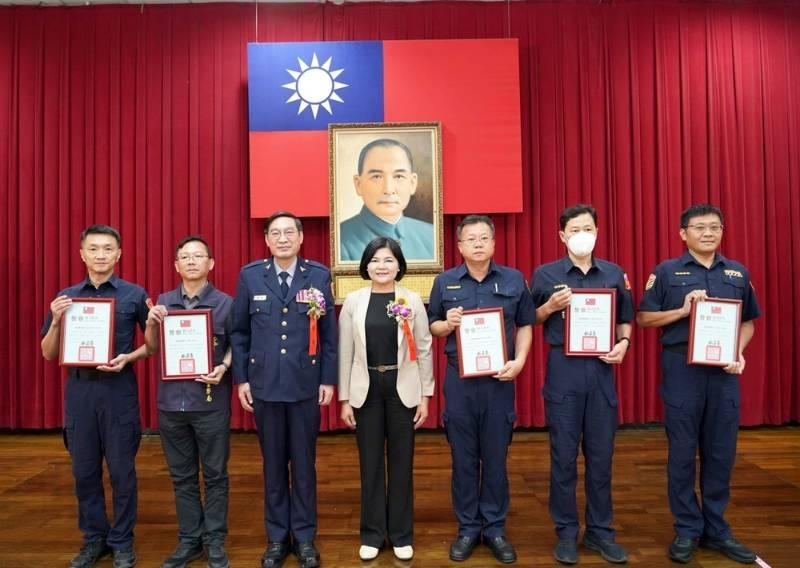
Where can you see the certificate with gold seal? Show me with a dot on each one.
(714, 332)
(87, 333)
(590, 321)
(481, 342)
(186, 351)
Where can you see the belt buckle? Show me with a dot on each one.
(381, 368)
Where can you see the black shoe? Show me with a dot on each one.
(731, 548)
(682, 549)
(608, 549)
(566, 551)
(307, 554)
(89, 554)
(275, 554)
(184, 554)
(124, 558)
(462, 548)
(217, 557)
(502, 549)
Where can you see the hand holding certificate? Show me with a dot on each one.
(87, 333)
(590, 321)
(186, 344)
(714, 332)
(481, 342)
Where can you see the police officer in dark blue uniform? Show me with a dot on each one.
(194, 415)
(579, 395)
(701, 403)
(102, 404)
(479, 412)
(283, 378)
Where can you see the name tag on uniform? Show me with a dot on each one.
(259, 297)
(454, 286)
(302, 296)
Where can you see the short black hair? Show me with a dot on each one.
(383, 143)
(277, 215)
(190, 239)
(700, 210)
(576, 211)
(376, 244)
(101, 230)
(474, 220)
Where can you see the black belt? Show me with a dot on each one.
(681, 348)
(383, 368)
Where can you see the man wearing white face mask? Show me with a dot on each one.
(579, 396)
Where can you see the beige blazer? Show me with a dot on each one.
(414, 378)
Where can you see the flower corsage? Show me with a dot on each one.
(401, 312)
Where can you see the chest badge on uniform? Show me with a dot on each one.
(259, 297)
(733, 273)
(651, 281)
(559, 286)
(454, 286)
(683, 273)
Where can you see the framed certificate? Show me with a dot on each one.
(186, 344)
(590, 321)
(481, 341)
(87, 333)
(714, 332)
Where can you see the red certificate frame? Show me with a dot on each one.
(462, 344)
(65, 322)
(188, 369)
(588, 351)
(692, 358)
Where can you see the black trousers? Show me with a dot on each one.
(385, 435)
(190, 439)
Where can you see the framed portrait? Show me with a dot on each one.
(385, 180)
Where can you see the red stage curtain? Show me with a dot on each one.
(137, 118)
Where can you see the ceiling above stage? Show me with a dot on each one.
(140, 2)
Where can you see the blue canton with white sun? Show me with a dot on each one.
(339, 82)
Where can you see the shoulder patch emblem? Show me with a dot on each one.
(651, 281)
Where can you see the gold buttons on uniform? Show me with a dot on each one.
(283, 337)
(283, 351)
(283, 323)
(286, 310)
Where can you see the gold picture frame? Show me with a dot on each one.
(398, 194)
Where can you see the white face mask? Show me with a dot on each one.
(581, 244)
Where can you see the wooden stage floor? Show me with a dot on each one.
(38, 510)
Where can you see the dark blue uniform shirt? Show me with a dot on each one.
(270, 334)
(190, 395)
(555, 276)
(667, 287)
(130, 310)
(503, 287)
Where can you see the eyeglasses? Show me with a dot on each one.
(700, 229)
(472, 241)
(290, 234)
(193, 257)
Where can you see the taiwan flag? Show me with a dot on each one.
(471, 87)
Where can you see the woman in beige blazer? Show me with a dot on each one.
(385, 382)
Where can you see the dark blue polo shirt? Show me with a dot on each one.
(669, 283)
(190, 395)
(503, 287)
(130, 311)
(554, 276)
